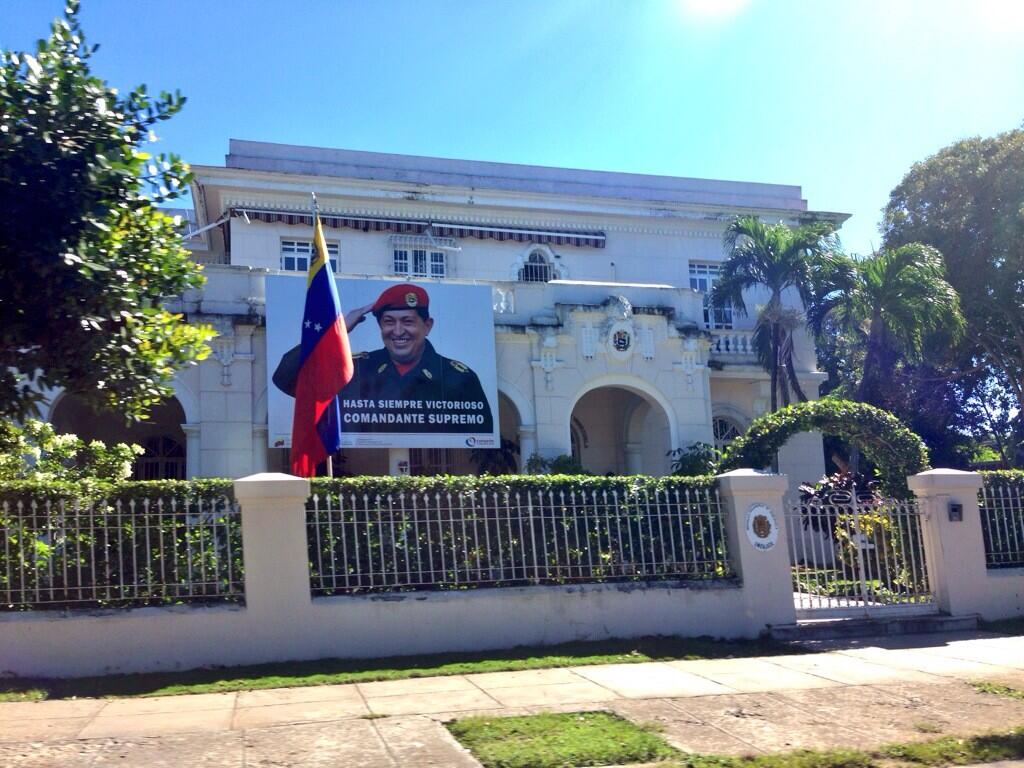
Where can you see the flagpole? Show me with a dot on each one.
(316, 213)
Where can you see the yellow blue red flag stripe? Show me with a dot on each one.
(325, 366)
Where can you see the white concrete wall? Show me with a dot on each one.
(955, 549)
(281, 622)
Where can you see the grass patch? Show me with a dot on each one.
(997, 689)
(953, 751)
(600, 738)
(336, 671)
(558, 740)
(17, 692)
(948, 750)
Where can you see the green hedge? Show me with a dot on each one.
(392, 534)
(1003, 478)
(507, 483)
(894, 450)
(93, 490)
(91, 544)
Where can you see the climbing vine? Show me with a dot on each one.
(894, 450)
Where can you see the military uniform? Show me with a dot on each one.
(437, 395)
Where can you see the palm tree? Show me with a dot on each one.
(892, 300)
(779, 258)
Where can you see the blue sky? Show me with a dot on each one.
(839, 96)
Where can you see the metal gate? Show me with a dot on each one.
(858, 557)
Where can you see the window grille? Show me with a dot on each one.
(164, 459)
(725, 431)
(295, 255)
(536, 269)
(431, 461)
(703, 277)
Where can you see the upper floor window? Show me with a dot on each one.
(419, 262)
(295, 255)
(536, 269)
(703, 277)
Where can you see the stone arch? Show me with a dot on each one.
(639, 387)
(630, 426)
(189, 402)
(523, 405)
(558, 270)
(161, 436)
(895, 451)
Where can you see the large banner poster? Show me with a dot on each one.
(424, 363)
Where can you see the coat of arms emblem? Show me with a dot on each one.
(621, 341)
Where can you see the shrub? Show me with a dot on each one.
(894, 450)
(36, 452)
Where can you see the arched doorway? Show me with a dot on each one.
(622, 431)
(161, 435)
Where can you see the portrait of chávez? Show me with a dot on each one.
(406, 386)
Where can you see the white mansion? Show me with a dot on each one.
(571, 257)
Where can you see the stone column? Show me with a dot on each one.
(527, 444)
(954, 549)
(755, 529)
(259, 448)
(274, 548)
(192, 455)
(634, 458)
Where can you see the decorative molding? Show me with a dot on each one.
(547, 355)
(647, 342)
(558, 270)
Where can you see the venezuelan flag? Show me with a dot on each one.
(325, 366)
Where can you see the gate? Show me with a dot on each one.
(858, 557)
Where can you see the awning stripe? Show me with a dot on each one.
(408, 226)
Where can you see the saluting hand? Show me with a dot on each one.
(355, 316)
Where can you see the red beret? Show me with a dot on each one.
(401, 296)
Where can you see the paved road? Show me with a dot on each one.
(848, 694)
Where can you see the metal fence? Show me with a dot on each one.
(858, 557)
(408, 541)
(118, 553)
(1002, 524)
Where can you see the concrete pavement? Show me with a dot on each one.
(859, 693)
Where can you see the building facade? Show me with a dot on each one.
(606, 347)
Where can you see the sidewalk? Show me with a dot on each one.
(859, 693)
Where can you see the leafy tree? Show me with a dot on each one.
(888, 319)
(967, 201)
(85, 257)
(891, 301)
(36, 452)
(780, 259)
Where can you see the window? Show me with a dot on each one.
(703, 278)
(536, 269)
(419, 262)
(428, 462)
(725, 431)
(295, 255)
(164, 459)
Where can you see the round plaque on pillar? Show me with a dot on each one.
(762, 531)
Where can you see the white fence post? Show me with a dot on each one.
(954, 548)
(755, 524)
(274, 544)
